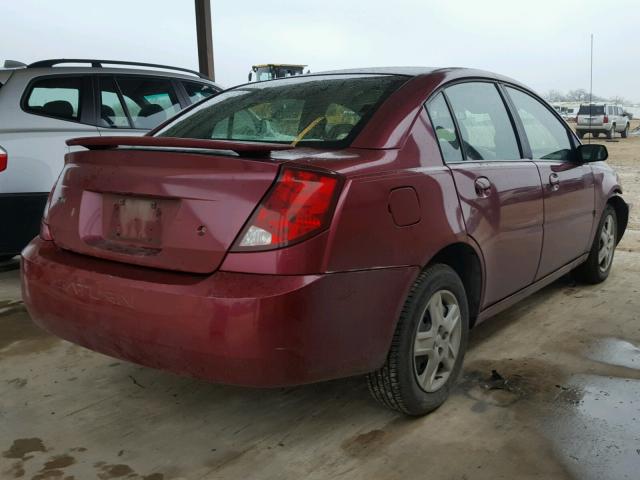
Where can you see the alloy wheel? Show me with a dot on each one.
(607, 243)
(437, 341)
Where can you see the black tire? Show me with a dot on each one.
(580, 135)
(625, 132)
(591, 271)
(611, 132)
(395, 385)
(596, 134)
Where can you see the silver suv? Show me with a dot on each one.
(47, 102)
(597, 118)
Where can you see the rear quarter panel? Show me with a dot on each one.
(365, 233)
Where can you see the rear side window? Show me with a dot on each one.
(548, 137)
(57, 97)
(444, 128)
(198, 91)
(485, 127)
(150, 101)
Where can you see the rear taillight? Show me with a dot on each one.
(3, 159)
(45, 232)
(55, 195)
(298, 206)
(606, 119)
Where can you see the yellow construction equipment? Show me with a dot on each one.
(270, 71)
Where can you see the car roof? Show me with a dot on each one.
(452, 72)
(408, 71)
(41, 71)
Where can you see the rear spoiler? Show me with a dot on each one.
(255, 149)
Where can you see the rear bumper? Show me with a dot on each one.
(244, 329)
(594, 128)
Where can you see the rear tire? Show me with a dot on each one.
(596, 135)
(611, 132)
(428, 345)
(598, 265)
(580, 135)
(625, 132)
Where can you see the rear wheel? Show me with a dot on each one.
(625, 132)
(611, 132)
(580, 135)
(596, 135)
(428, 345)
(598, 265)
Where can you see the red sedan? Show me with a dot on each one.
(322, 226)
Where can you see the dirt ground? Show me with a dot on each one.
(550, 390)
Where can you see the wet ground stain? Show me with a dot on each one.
(22, 446)
(59, 461)
(114, 471)
(18, 334)
(365, 443)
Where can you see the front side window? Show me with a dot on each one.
(150, 101)
(323, 110)
(548, 137)
(57, 97)
(444, 128)
(485, 127)
(198, 91)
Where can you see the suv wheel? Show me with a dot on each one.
(598, 265)
(580, 135)
(610, 133)
(428, 345)
(625, 132)
(596, 134)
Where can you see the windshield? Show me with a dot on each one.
(263, 74)
(591, 110)
(314, 111)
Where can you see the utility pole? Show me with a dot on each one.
(205, 41)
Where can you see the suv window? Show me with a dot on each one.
(591, 110)
(197, 91)
(57, 97)
(548, 137)
(112, 113)
(150, 101)
(485, 127)
(444, 128)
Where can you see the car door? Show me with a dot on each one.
(133, 105)
(500, 193)
(568, 186)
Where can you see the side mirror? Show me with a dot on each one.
(592, 153)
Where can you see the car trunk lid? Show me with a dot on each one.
(159, 206)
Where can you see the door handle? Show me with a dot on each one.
(483, 186)
(554, 181)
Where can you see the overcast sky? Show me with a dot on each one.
(543, 43)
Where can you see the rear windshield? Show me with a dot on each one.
(591, 110)
(313, 111)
